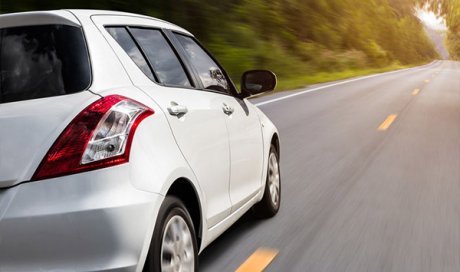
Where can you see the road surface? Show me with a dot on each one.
(370, 176)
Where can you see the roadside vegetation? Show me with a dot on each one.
(319, 77)
(450, 10)
(303, 42)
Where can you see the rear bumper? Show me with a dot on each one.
(94, 221)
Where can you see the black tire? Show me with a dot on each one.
(267, 208)
(171, 210)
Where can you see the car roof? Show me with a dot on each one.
(69, 17)
(38, 18)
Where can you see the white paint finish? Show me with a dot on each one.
(29, 128)
(246, 150)
(268, 131)
(121, 18)
(213, 233)
(201, 134)
(154, 155)
(86, 222)
(38, 18)
(107, 71)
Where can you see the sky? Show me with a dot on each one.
(430, 19)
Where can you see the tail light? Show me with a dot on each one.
(99, 136)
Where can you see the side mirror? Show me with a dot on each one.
(256, 82)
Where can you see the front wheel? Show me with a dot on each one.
(173, 246)
(270, 203)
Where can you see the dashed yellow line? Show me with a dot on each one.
(259, 260)
(415, 92)
(387, 123)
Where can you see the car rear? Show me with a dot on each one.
(68, 196)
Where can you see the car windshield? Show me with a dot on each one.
(42, 61)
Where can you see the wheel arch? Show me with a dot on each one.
(183, 189)
(276, 142)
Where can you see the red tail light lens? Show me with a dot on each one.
(99, 136)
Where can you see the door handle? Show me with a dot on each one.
(177, 110)
(227, 109)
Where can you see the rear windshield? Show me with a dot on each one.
(42, 61)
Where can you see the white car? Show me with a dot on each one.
(124, 145)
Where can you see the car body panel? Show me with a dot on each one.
(107, 71)
(123, 18)
(60, 17)
(269, 131)
(20, 153)
(246, 145)
(202, 137)
(81, 222)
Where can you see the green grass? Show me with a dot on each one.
(285, 84)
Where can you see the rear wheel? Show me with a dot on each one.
(270, 203)
(173, 246)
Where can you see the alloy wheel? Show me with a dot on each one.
(274, 179)
(177, 254)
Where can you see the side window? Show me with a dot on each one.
(161, 56)
(121, 35)
(208, 70)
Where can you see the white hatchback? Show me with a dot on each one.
(124, 145)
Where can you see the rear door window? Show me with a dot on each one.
(162, 58)
(121, 35)
(42, 61)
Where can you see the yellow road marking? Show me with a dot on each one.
(259, 260)
(387, 123)
(427, 80)
(415, 92)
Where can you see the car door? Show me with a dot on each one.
(246, 151)
(195, 117)
(243, 125)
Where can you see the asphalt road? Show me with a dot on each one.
(356, 198)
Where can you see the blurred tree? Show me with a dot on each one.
(450, 10)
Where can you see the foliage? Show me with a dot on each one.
(450, 9)
(294, 38)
